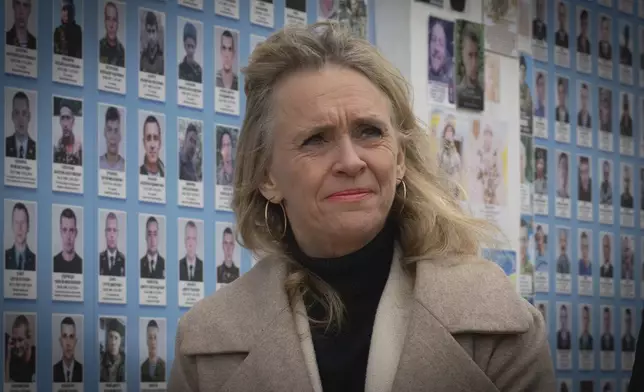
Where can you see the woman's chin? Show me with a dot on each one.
(351, 223)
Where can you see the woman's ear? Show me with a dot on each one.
(269, 190)
(401, 167)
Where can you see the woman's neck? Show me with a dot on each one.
(377, 251)
(335, 246)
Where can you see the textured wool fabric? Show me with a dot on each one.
(466, 330)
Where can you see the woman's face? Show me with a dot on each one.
(335, 159)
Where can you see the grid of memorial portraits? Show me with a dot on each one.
(582, 184)
(137, 141)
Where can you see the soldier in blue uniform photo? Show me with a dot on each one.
(112, 260)
(20, 144)
(68, 369)
(628, 340)
(607, 341)
(19, 256)
(152, 263)
(586, 337)
(191, 266)
(227, 271)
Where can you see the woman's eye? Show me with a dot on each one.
(370, 132)
(315, 139)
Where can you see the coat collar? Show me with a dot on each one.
(450, 296)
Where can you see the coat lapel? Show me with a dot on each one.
(274, 363)
(260, 346)
(433, 360)
(444, 308)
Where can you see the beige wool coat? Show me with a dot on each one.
(457, 325)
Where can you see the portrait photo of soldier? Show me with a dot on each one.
(584, 117)
(111, 342)
(585, 333)
(111, 259)
(111, 134)
(190, 150)
(605, 109)
(152, 41)
(625, 44)
(70, 228)
(19, 23)
(470, 59)
(19, 128)
(561, 35)
(227, 268)
(539, 23)
(226, 147)
(605, 48)
(68, 36)
(606, 186)
(153, 364)
(67, 333)
(628, 340)
(227, 63)
(607, 338)
(111, 46)
(563, 258)
(628, 257)
(18, 255)
(563, 332)
(584, 179)
(20, 343)
(562, 112)
(625, 118)
(525, 95)
(191, 39)
(563, 175)
(541, 90)
(68, 139)
(152, 263)
(626, 198)
(583, 38)
(152, 143)
(606, 270)
(191, 266)
(540, 182)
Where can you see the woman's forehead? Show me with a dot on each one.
(320, 95)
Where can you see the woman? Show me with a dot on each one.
(369, 266)
(637, 376)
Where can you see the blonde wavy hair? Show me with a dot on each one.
(431, 221)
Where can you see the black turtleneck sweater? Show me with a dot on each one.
(359, 279)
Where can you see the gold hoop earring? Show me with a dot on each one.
(268, 226)
(404, 197)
